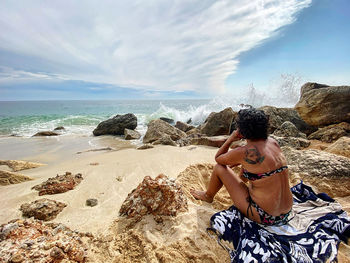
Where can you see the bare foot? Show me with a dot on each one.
(201, 195)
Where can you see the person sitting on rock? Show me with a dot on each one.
(261, 191)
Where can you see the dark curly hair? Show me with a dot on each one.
(252, 124)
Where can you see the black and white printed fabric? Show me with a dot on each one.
(316, 226)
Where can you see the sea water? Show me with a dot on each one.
(25, 118)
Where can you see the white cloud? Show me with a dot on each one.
(181, 45)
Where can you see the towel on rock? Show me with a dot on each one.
(315, 228)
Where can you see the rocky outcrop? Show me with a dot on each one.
(213, 141)
(19, 165)
(31, 240)
(7, 178)
(42, 209)
(46, 133)
(165, 140)
(158, 128)
(340, 147)
(183, 126)
(322, 105)
(317, 163)
(296, 143)
(116, 125)
(160, 197)
(131, 134)
(288, 129)
(331, 133)
(59, 184)
(277, 116)
(219, 123)
(168, 120)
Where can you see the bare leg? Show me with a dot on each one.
(223, 175)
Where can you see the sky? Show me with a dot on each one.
(108, 49)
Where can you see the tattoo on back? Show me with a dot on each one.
(253, 156)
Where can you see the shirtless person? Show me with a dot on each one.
(267, 199)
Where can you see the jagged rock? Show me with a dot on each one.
(59, 128)
(340, 147)
(59, 184)
(91, 202)
(42, 209)
(219, 123)
(165, 140)
(331, 133)
(19, 165)
(160, 197)
(7, 178)
(213, 141)
(131, 134)
(116, 125)
(46, 133)
(317, 163)
(194, 131)
(145, 146)
(168, 120)
(321, 105)
(31, 240)
(277, 116)
(296, 143)
(183, 126)
(158, 128)
(288, 129)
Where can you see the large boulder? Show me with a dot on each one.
(183, 126)
(321, 105)
(160, 197)
(340, 147)
(277, 116)
(219, 123)
(331, 133)
(158, 128)
(116, 125)
(288, 129)
(317, 163)
(42, 209)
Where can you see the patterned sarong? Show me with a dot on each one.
(315, 228)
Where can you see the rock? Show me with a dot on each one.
(213, 141)
(160, 196)
(7, 178)
(194, 131)
(288, 129)
(183, 126)
(91, 202)
(59, 128)
(59, 184)
(158, 128)
(322, 105)
(34, 241)
(116, 125)
(331, 133)
(165, 140)
(19, 165)
(277, 116)
(42, 209)
(317, 163)
(296, 143)
(145, 146)
(340, 147)
(46, 133)
(168, 120)
(219, 123)
(131, 134)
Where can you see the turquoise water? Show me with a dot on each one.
(25, 118)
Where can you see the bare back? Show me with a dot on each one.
(271, 193)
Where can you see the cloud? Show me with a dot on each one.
(162, 45)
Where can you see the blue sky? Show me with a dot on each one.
(160, 49)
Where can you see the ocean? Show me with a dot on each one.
(25, 118)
